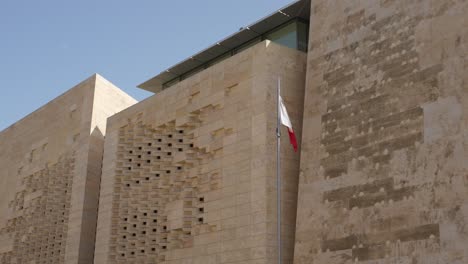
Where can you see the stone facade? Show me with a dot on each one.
(383, 164)
(189, 174)
(50, 176)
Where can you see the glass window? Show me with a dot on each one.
(293, 35)
(302, 36)
(248, 44)
(171, 82)
(286, 36)
(219, 59)
(192, 72)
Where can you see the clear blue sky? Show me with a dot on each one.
(48, 46)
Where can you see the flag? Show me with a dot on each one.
(284, 118)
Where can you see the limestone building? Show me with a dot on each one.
(189, 173)
(49, 181)
(383, 164)
(377, 94)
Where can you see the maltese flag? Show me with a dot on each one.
(284, 118)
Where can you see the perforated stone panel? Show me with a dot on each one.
(158, 197)
(41, 213)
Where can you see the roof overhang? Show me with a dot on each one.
(298, 9)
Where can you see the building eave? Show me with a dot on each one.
(298, 9)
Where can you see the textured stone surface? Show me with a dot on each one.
(49, 181)
(189, 174)
(384, 177)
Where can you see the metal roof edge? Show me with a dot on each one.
(155, 83)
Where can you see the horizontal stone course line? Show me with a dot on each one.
(360, 241)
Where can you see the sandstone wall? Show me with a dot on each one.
(188, 174)
(384, 177)
(51, 166)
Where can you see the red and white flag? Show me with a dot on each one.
(284, 117)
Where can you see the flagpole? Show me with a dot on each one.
(278, 169)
